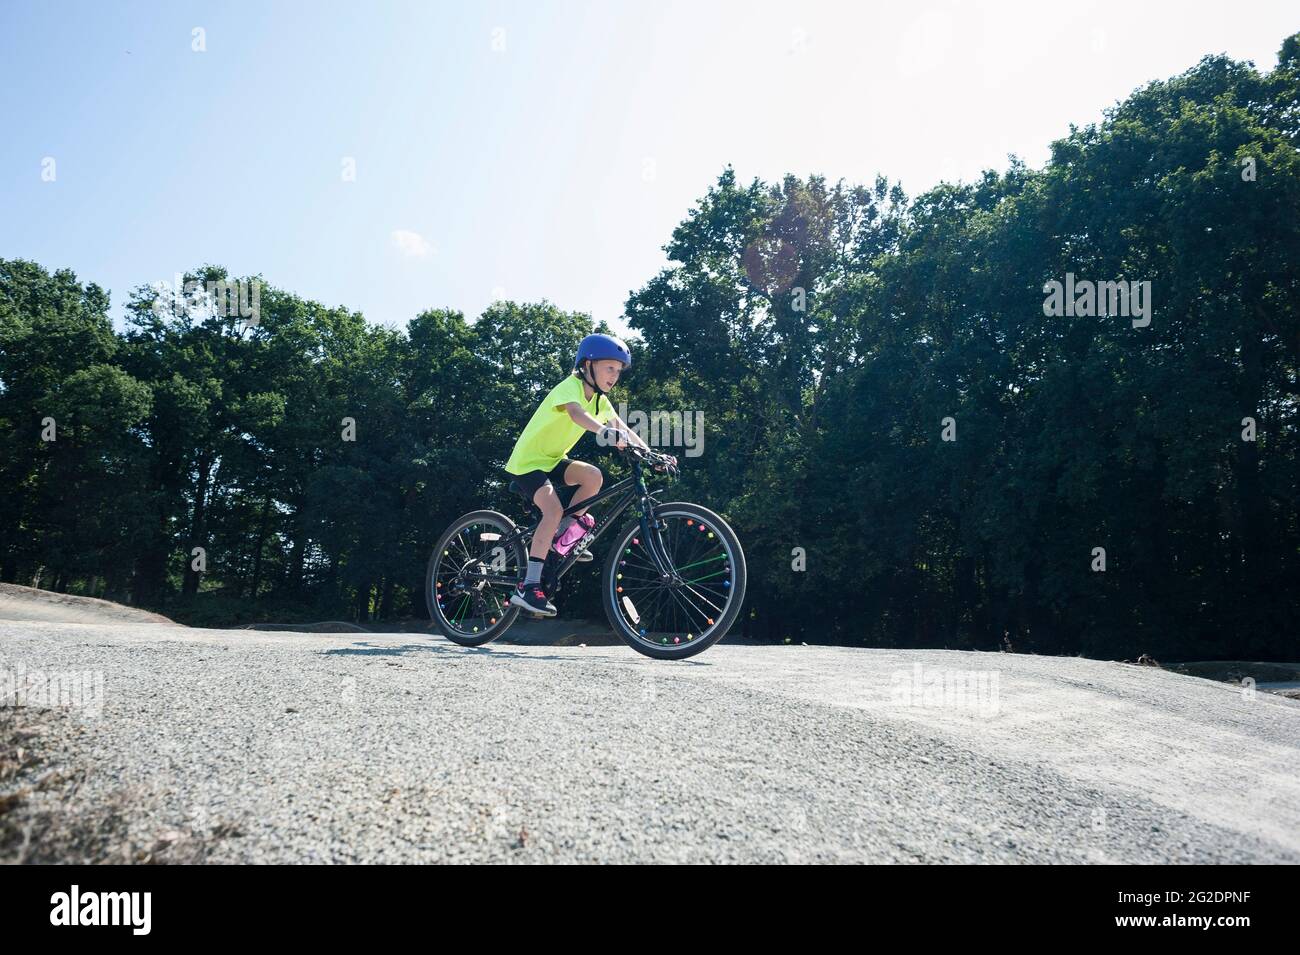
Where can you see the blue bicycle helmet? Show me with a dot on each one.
(598, 347)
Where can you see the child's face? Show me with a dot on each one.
(606, 372)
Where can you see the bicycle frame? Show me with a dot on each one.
(632, 489)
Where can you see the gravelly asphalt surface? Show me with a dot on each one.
(285, 747)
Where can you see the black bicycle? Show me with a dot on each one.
(673, 582)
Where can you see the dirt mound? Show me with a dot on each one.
(321, 626)
(28, 603)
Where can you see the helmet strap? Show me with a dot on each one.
(590, 378)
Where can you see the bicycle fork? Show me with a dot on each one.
(651, 534)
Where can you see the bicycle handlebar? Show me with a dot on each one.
(656, 459)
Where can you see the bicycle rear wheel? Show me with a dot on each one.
(695, 607)
(465, 605)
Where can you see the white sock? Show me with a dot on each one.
(534, 575)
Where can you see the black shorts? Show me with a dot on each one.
(530, 481)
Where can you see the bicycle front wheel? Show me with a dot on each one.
(694, 607)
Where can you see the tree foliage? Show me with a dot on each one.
(913, 452)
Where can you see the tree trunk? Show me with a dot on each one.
(297, 552)
(151, 569)
(1252, 571)
(262, 529)
(363, 602)
(198, 526)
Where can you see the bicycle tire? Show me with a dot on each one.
(692, 644)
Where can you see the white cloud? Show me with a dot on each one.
(412, 244)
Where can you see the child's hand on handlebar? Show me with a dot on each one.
(656, 459)
(615, 436)
(666, 462)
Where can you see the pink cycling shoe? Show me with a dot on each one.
(576, 532)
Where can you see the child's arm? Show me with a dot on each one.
(617, 422)
(579, 416)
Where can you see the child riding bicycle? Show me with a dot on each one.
(539, 463)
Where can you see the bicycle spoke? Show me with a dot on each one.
(460, 542)
(716, 609)
(700, 563)
(687, 607)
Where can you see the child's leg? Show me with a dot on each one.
(548, 502)
(588, 477)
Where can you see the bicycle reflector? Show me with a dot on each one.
(631, 610)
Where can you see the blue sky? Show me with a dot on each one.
(525, 150)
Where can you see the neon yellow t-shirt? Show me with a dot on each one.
(550, 433)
